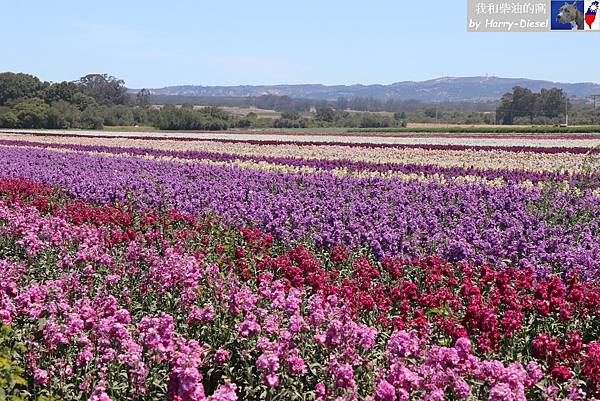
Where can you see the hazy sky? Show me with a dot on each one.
(158, 43)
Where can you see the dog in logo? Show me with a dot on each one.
(570, 14)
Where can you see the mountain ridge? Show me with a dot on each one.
(451, 89)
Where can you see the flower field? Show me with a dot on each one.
(299, 267)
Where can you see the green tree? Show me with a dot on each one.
(326, 114)
(525, 106)
(8, 119)
(32, 113)
(523, 102)
(551, 103)
(14, 87)
(400, 119)
(91, 119)
(291, 115)
(400, 116)
(504, 112)
(430, 112)
(63, 115)
(60, 91)
(143, 98)
(106, 89)
(83, 102)
(118, 115)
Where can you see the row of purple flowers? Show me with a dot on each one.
(512, 176)
(472, 222)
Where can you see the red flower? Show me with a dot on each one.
(561, 373)
(591, 367)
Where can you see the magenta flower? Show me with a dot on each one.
(225, 392)
(221, 356)
(344, 377)
(385, 391)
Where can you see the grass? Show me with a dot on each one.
(139, 128)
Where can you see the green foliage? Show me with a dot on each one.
(172, 118)
(89, 103)
(546, 106)
(8, 118)
(91, 119)
(63, 115)
(64, 91)
(400, 119)
(118, 115)
(32, 113)
(370, 120)
(99, 100)
(291, 115)
(142, 98)
(431, 112)
(291, 123)
(14, 87)
(12, 382)
(105, 89)
(84, 102)
(325, 114)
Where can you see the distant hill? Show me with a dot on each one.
(447, 89)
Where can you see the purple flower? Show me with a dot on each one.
(225, 392)
(296, 364)
(403, 345)
(221, 356)
(344, 377)
(40, 376)
(501, 392)
(249, 327)
(271, 380)
(534, 374)
(385, 391)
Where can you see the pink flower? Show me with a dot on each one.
(40, 376)
(344, 377)
(267, 361)
(249, 327)
(320, 390)
(296, 364)
(462, 389)
(271, 380)
(221, 356)
(534, 374)
(102, 396)
(385, 391)
(200, 315)
(403, 345)
(185, 385)
(501, 392)
(225, 392)
(366, 336)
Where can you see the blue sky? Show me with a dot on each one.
(158, 43)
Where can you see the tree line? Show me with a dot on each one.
(90, 102)
(97, 100)
(524, 106)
